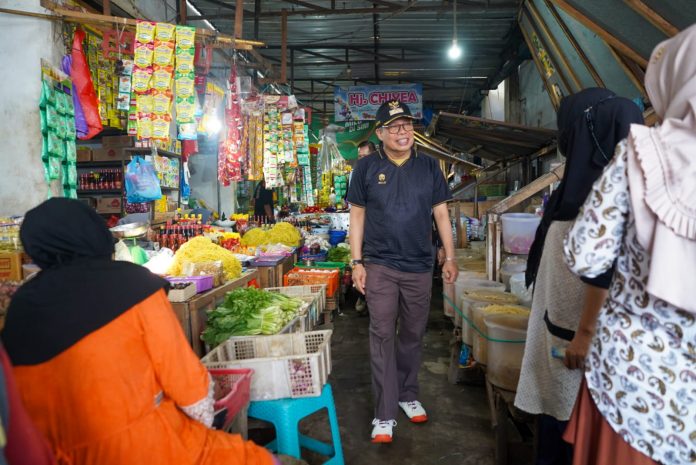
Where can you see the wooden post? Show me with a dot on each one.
(284, 46)
(238, 19)
(106, 7)
(183, 16)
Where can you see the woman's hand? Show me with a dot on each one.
(576, 352)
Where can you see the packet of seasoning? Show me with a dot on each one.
(144, 103)
(185, 84)
(185, 58)
(141, 79)
(185, 37)
(143, 55)
(165, 32)
(162, 102)
(164, 51)
(160, 127)
(162, 78)
(185, 109)
(144, 126)
(145, 32)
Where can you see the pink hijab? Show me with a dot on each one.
(662, 172)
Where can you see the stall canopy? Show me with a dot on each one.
(495, 141)
(577, 44)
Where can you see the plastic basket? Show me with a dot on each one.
(286, 365)
(303, 277)
(314, 296)
(232, 387)
(340, 266)
(492, 190)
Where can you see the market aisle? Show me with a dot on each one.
(459, 429)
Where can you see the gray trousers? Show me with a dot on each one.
(396, 357)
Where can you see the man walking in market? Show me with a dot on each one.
(394, 193)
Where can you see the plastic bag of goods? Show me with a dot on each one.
(520, 289)
(510, 266)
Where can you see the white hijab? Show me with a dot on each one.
(662, 172)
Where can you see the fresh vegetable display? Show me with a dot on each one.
(339, 254)
(248, 312)
(202, 250)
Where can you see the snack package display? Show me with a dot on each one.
(145, 32)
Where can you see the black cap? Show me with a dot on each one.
(391, 110)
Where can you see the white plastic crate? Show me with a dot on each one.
(285, 365)
(316, 293)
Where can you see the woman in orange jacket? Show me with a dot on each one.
(100, 359)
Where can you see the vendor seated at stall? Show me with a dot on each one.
(100, 358)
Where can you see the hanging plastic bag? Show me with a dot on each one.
(80, 123)
(82, 81)
(142, 184)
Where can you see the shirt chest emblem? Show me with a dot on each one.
(381, 178)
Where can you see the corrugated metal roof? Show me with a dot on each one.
(327, 47)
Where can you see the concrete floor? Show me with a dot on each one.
(459, 428)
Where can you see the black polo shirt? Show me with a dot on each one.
(398, 202)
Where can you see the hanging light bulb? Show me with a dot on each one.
(454, 51)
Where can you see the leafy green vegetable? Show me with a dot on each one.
(339, 254)
(249, 312)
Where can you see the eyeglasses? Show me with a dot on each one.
(396, 128)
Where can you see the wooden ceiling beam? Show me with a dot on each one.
(653, 17)
(619, 45)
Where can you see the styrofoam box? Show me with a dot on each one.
(285, 365)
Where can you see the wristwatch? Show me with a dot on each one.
(357, 262)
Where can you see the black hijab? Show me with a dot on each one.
(590, 125)
(79, 289)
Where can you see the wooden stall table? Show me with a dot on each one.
(504, 414)
(270, 273)
(193, 314)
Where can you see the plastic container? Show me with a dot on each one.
(518, 231)
(232, 388)
(511, 265)
(471, 283)
(473, 295)
(479, 312)
(286, 365)
(304, 276)
(505, 358)
(336, 237)
(519, 289)
(203, 283)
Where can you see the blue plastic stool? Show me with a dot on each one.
(285, 415)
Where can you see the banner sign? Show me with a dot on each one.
(357, 103)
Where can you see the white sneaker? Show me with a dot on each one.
(414, 411)
(382, 431)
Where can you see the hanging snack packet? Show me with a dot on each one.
(143, 55)
(160, 127)
(185, 37)
(144, 126)
(185, 84)
(164, 52)
(141, 80)
(144, 103)
(186, 109)
(145, 32)
(185, 58)
(187, 131)
(165, 32)
(162, 78)
(162, 102)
